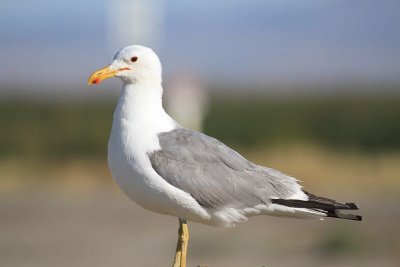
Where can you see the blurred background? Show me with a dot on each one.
(307, 87)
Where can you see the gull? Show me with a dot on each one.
(168, 169)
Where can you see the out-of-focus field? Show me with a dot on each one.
(60, 207)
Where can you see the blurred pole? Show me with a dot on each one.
(135, 22)
(186, 100)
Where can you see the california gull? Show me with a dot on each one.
(172, 170)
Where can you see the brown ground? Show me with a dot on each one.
(71, 214)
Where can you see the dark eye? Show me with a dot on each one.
(133, 59)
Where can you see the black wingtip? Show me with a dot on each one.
(352, 206)
(337, 214)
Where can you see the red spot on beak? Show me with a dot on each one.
(96, 81)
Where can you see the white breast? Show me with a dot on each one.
(138, 119)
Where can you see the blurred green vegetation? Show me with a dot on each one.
(65, 129)
(54, 130)
(365, 122)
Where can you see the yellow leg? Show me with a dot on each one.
(181, 247)
(185, 240)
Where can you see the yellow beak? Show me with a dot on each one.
(98, 76)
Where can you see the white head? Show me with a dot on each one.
(132, 64)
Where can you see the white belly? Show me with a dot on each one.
(144, 186)
(132, 179)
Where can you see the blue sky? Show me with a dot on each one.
(45, 42)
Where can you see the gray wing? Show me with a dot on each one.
(215, 175)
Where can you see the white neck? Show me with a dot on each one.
(139, 117)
